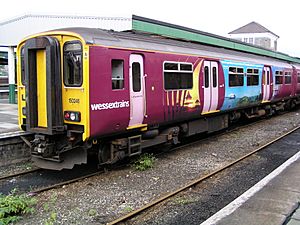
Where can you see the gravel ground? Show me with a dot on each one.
(198, 203)
(16, 168)
(102, 198)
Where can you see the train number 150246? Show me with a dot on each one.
(74, 100)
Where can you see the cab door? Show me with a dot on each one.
(137, 91)
(43, 85)
(210, 86)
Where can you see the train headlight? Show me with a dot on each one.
(72, 116)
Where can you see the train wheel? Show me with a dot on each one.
(104, 154)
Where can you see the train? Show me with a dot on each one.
(110, 94)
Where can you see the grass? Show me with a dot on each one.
(144, 162)
(13, 206)
(92, 212)
(183, 201)
(49, 207)
(128, 209)
(52, 219)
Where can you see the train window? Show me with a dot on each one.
(136, 76)
(171, 66)
(298, 77)
(206, 77)
(178, 75)
(278, 77)
(287, 78)
(73, 64)
(252, 77)
(22, 66)
(117, 74)
(236, 76)
(214, 76)
(186, 67)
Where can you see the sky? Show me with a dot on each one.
(213, 16)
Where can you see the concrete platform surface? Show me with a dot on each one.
(273, 201)
(8, 117)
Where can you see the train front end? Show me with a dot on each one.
(53, 98)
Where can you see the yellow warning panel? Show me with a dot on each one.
(41, 87)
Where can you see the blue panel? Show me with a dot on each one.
(240, 96)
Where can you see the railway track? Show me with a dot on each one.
(10, 176)
(94, 172)
(69, 181)
(14, 138)
(166, 197)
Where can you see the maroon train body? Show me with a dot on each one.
(138, 91)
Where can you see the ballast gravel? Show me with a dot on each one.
(103, 198)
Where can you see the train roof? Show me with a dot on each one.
(176, 31)
(153, 31)
(152, 42)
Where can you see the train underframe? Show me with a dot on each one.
(63, 151)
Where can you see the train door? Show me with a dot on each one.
(137, 90)
(266, 83)
(210, 86)
(43, 85)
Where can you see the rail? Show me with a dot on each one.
(134, 213)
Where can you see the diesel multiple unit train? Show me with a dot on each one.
(111, 94)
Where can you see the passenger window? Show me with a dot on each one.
(117, 74)
(72, 64)
(278, 77)
(288, 78)
(136, 76)
(178, 75)
(236, 77)
(252, 77)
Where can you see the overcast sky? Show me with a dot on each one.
(213, 16)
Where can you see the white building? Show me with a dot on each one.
(256, 34)
(14, 30)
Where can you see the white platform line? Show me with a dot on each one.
(235, 204)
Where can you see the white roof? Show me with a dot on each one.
(14, 30)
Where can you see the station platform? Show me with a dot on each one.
(275, 200)
(8, 117)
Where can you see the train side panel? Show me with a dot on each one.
(283, 86)
(241, 89)
(109, 108)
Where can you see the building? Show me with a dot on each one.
(3, 70)
(256, 34)
(14, 30)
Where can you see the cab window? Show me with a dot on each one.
(72, 64)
